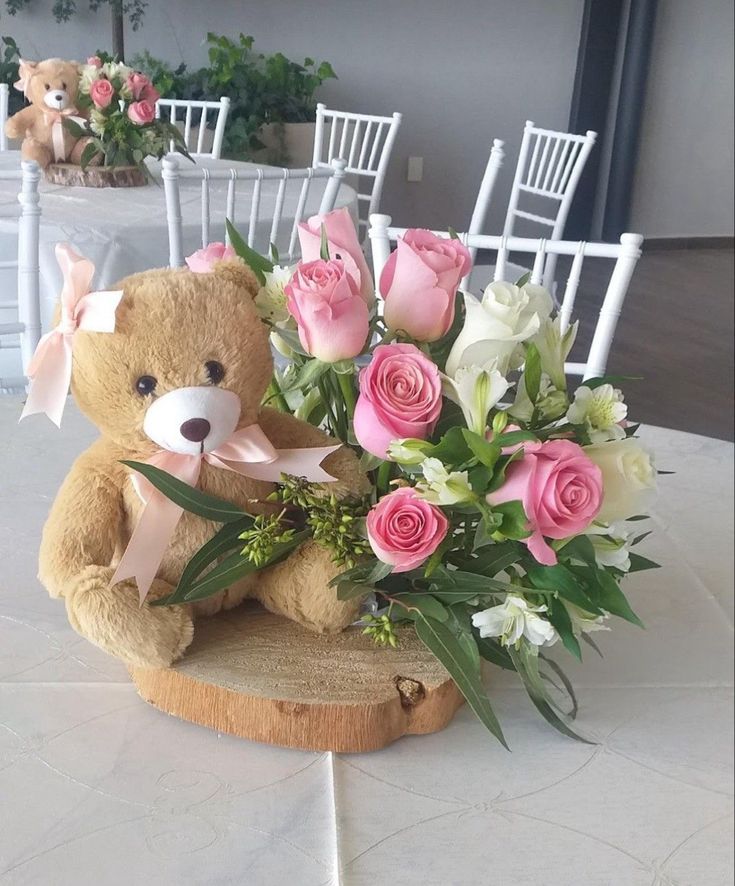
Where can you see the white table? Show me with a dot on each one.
(99, 789)
(123, 230)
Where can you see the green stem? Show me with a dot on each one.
(348, 392)
(276, 394)
(327, 400)
(383, 478)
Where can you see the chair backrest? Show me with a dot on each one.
(189, 115)
(23, 333)
(4, 98)
(296, 181)
(626, 255)
(366, 142)
(487, 186)
(548, 171)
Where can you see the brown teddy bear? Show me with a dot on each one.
(185, 348)
(51, 87)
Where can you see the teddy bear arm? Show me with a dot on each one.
(83, 527)
(287, 432)
(17, 125)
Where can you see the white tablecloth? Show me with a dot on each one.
(123, 230)
(99, 789)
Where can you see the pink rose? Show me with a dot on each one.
(141, 88)
(561, 491)
(150, 94)
(101, 92)
(404, 530)
(343, 245)
(419, 284)
(94, 61)
(326, 304)
(202, 261)
(400, 396)
(142, 112)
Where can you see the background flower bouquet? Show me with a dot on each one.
(503, 505)
(122, 128)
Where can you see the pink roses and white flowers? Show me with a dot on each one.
(498, 518)
(122, 128)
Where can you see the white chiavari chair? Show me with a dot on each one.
(268, 189)
(537, 252)
(182, 113)
(21, 300)
(366, 142)
(4, 99)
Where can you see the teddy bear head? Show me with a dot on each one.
(52, 84)
(187, 365)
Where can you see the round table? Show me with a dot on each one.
(123, 230)
(98, 787)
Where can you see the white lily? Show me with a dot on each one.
(495, 325)
(554, 347)
(513, 619)
(600, 410)
(476, 389)
(442, 487)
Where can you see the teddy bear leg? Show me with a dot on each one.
(31, 149)
(299, 589)
(113, 619)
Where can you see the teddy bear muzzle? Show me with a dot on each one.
(192, 420)
(57, 99)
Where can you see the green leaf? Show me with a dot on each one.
(613, 599)
(468, 582)
(559, 617)
(532, 372)
(447, 648)
(426, 604)
(639, 563)
(309, 373)
(495, 559)
(274, 254)
(452, 449)
(523, 279)
(562, 580)
(74, 128)
(453, 235)
(324, 244)
(259, 265)
(187, 497)
(566, 682)
(501, 468)
(485, 529)
(593, 383)
(579, 548)
(491, 650)
(527, 666)
(515, 522)
(348, 590)
(88, 154)
(486, 453)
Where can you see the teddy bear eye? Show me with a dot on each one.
(215, 371)
(63, 85)
(145, 385)
(46, 87)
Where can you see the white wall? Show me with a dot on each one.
(684, 181)
(461, 72)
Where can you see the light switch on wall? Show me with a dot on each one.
(415, 169)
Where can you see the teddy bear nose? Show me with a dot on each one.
(195, 429)
(58, 97)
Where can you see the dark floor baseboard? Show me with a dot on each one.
(656, 243)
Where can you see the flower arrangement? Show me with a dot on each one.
(122, 128)
(503, 509)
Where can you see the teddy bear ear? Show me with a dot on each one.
(237, 272)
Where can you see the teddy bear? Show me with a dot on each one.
(51, 87)
(188, 363)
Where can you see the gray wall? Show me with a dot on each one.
(462, 73)
(684, 180)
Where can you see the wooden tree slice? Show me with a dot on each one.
(95, 176)
(262, 677)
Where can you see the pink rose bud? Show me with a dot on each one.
(419, 284)
(137, 83)
(202, 261)
(343, 244)
(404, 530)
(150, 94)
(94, 61)
(331, 316)
(101, 92)
(142, 112)
(400, 396)
(561, 491)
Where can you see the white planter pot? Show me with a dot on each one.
(286, 144)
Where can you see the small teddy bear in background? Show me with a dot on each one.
(51, 87)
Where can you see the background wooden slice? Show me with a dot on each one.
(95, 176)
(260, 676)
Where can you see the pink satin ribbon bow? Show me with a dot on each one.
(50, 367)
(56, 119)
(248, 452)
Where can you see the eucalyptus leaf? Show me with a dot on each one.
(562, 580)
(492, 650)
(559, 617)
(426, 604)
(446, 647)
(187, 497)
(523, 279)
(259, 265)
(613, 600)
(639, 563)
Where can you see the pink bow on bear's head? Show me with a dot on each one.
(50, 367)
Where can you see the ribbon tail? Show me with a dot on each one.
(57, 139)
(296, 462)
(51, 370)
(148, 543)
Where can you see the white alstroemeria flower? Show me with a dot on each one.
(495, 325)
(476, 389)
(628, 478)
(111, 70)
(89, 74)
(600, 410)
(97, 122)
(513, 619)
(271, 300)
(409, 451)
(440, 487)
(585, 622)
(554, 347)
(611, 544)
